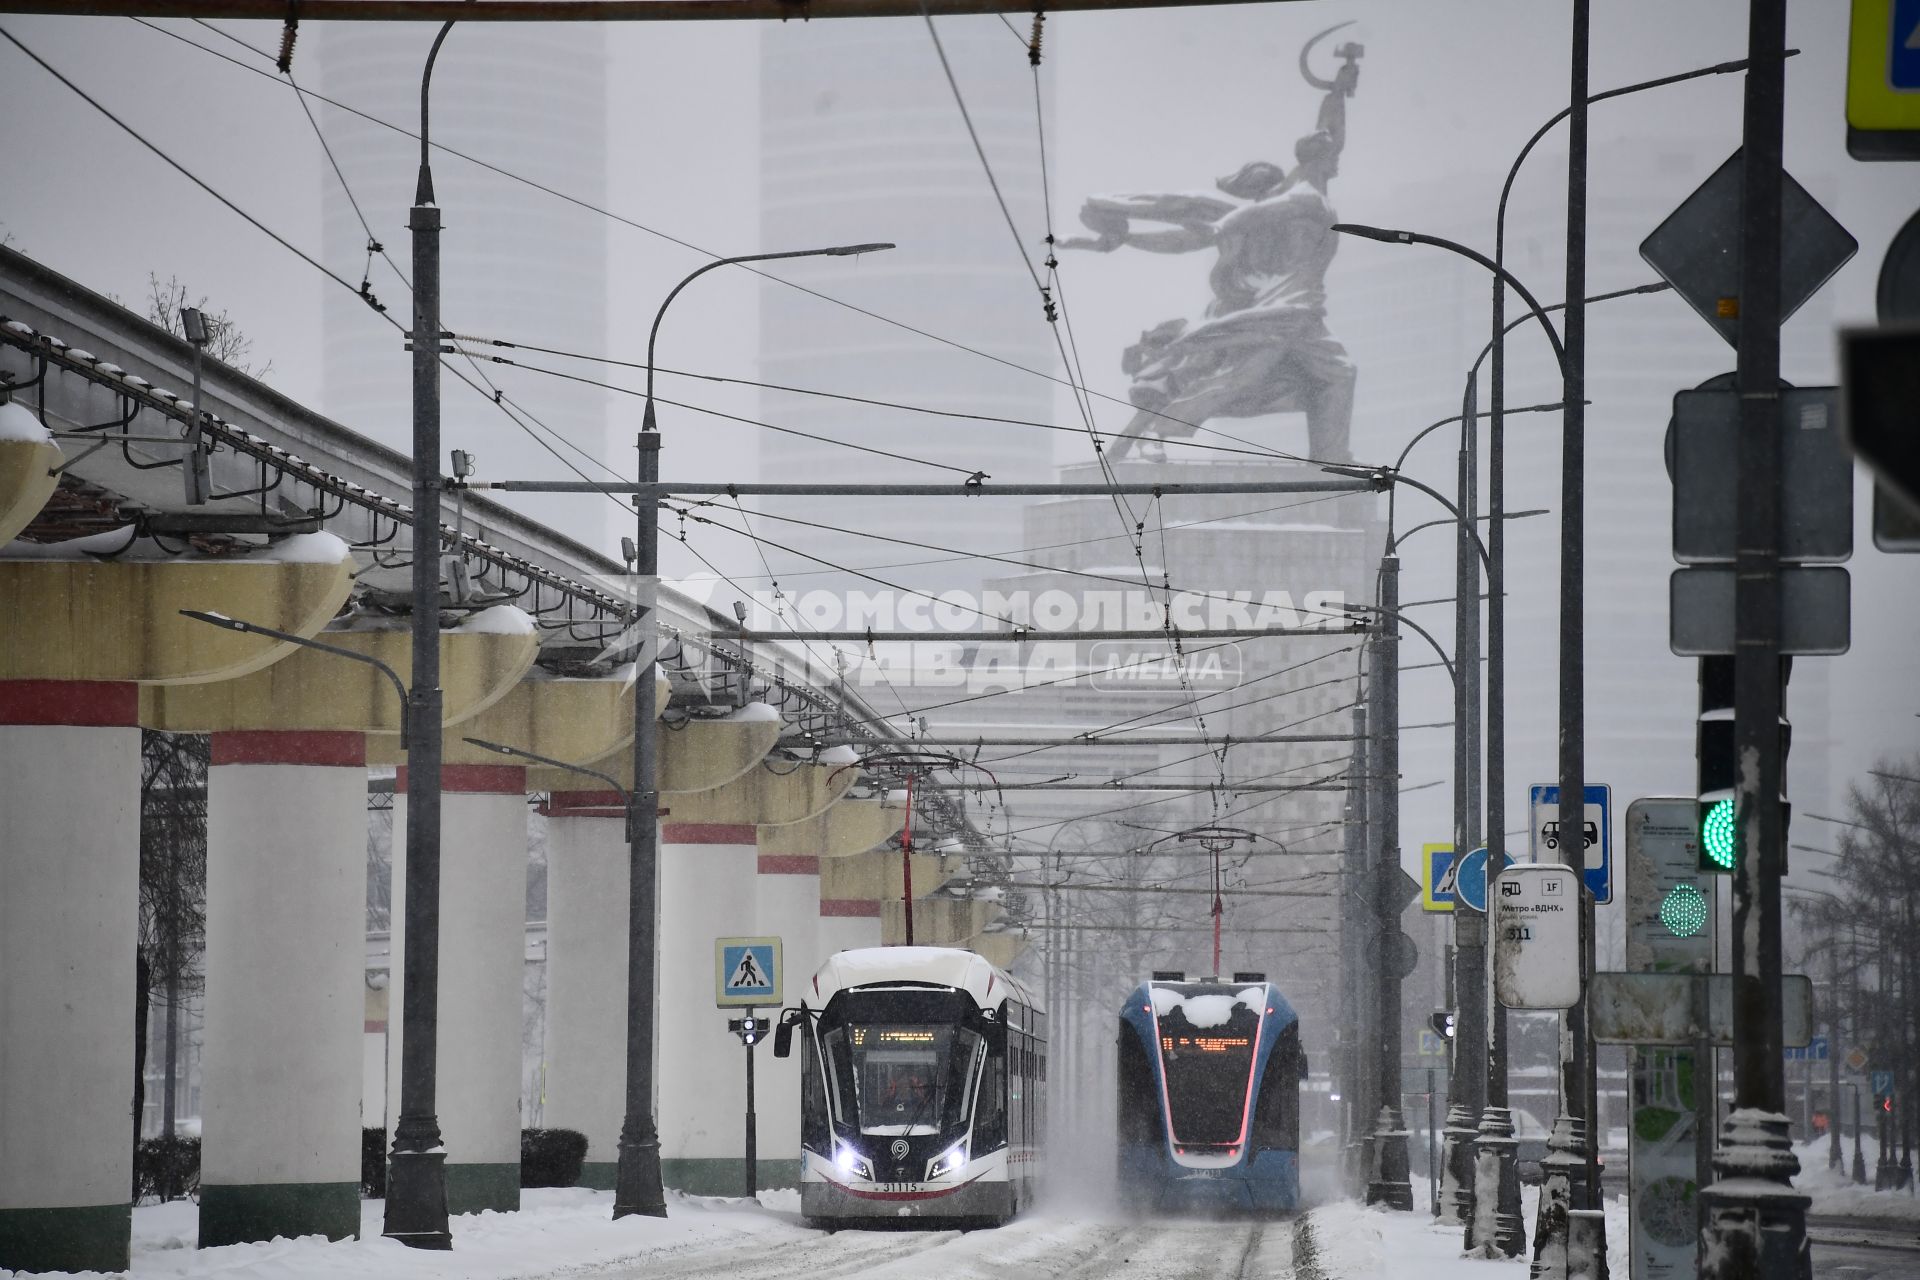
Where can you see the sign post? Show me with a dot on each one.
(1670, 907)
(746, 972)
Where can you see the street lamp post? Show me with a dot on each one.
(1388, 1181)
(416, 1210)
(637, 1185)
(1495, 1176)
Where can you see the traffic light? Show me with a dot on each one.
(750, 1030)
(1685, 910)
(1441, 1020)
(1717, 755)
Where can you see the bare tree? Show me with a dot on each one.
(227, 343)
(173, 898)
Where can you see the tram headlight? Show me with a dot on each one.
(850, 1162)
(948, 1162)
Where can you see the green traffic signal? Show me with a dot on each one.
(1719, 836)
(1684, 910)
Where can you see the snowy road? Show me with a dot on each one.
(1041, 1246)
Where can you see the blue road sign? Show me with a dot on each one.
(1903, 70)
(747, 971)
(1882, 1083)
(1544, 836)
(1814, 1050)
(1470, 882)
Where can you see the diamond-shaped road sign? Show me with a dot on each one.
(1697, 249)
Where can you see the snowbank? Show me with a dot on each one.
(500, 620)
(1834, 1192)
(18, 423)
(309, 548)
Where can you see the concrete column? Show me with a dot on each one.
(69, 889)
(707, 892)
(286, 990)
(483, 920)
(586, 1084)
(787, 902)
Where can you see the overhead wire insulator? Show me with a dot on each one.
(1033, 43)
(291, 32)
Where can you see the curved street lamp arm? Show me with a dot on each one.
(1717, 69)
(1426, 635)
(837, 251)
(253, 628)
(1652, 286)
(423, 187)
(1454, 246)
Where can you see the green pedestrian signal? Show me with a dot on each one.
(1719, 836)
(1684, 910)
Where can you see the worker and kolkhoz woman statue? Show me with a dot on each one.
(1262, 345)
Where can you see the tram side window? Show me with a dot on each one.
(990, 1111)
(1276, 1121)
(813, 1093)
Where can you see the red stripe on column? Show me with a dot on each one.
(87, 704)
(850, 907)
(482, 779)
(344, 750)
(789, 864)
(709, 833)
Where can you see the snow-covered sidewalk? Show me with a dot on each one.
(555, 1229)
(1360, 1243)
(1835, 1193)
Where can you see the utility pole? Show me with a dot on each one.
(1466, 1081)
(1388, 1182)
(1752, 1230)
(637, 1181)
(1358, 1096)
(417, 1175)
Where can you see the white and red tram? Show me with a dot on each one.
(922, 1088)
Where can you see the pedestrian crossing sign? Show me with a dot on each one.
(746, 972)
(1438, 868)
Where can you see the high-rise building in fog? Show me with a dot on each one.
(861, 141)
(515, 262)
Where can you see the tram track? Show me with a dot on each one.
(1033, 1246)
(801, 1255)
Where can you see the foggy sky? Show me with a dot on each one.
(1143, 101)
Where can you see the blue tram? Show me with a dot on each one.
(1209, 1097)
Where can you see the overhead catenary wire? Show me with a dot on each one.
(598, 210)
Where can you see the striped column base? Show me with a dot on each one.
(243, 1214)
(474, 1187)
(725, 1176)
(87, 1238)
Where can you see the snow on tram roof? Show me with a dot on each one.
(942, 966)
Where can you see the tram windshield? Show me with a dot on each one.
(903, 1077)
(1207, 1039)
